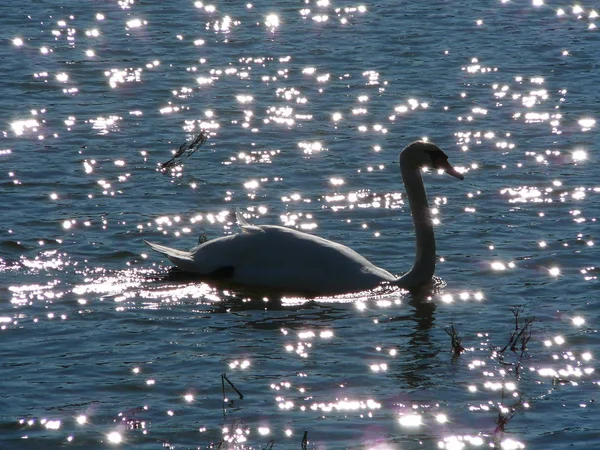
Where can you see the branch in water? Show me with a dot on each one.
(457, 347)
(185, 151)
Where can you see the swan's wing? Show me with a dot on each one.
(280, 257)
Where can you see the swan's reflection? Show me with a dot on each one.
(418, 350)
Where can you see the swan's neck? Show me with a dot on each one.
(424, 265)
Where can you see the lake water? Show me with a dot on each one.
(307, 105)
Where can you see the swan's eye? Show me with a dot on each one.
(438, 158)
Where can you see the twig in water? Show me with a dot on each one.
(304, 440)
(223, 391)
(270, 445)
(506, 413)
(517, 343)
(186, 149)
(518, 340)
(457, 348)
(224, 377)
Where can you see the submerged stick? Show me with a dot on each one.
(457, 347)
(224, 378)
(186, 149)
(517, 343)
(304, 440)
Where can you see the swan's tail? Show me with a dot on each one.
(180, 258)
(241, 221)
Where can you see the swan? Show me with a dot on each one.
(287, 260)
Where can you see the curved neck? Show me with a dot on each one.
(424, 265)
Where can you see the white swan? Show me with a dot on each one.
(288, 260)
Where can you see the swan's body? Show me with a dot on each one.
(288, 260)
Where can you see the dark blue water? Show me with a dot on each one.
(307, 105)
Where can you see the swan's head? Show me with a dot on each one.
(425, 154)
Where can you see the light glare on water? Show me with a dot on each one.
(306, 107)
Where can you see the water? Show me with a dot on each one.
(308, 105)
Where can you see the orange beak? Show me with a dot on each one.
(452, 171)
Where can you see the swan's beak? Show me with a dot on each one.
(452, 171)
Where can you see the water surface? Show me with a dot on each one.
(307, 105)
